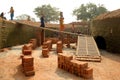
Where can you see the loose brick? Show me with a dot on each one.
(84, 65)
(30, 68)
(27, 58)
(45, 52)
(49, 42)
(34, 42)
(88, 73)
(27, 52)
(30, 73)
(26, 47)
(27, 64)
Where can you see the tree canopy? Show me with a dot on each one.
(50, 13)
(88, 11)
(25, 17)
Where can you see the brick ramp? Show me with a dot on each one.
(87, 49)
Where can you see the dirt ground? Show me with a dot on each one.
(46, 68)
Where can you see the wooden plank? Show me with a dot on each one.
(53, 30)
(88, 59)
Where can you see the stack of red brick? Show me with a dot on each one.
(27, 59)
(27, 49)
(27, 65)
(34, 43)
(78, 68)
(47, 46)
(59, 47)
(54, 40)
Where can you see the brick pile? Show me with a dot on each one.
(78, 68)
(27, 59)
(27, 49)
(47, 46)
(33, 42)
(59, 47)
(27, 65)
(54, 40)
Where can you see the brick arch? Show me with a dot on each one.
(101, 43)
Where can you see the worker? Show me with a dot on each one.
(42, 21)
(11, 13)
(61, 21)
(2, 16)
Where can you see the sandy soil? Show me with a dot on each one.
(46, 68)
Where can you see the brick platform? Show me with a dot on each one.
(59, 47)
(78, 68)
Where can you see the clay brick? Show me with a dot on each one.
(27, 58)
(88, 73)
(54, 40)
(74, 63)
(27, 64)
(30, 68)
(49, 42)
(68, 57)
(27, 52)
(65, 40)
(84, 65)
(59, 51)
(59, 44)
(29, 73)
(34, 42)
(26, 47)
(59, 48)
(60, 60)
(46, 56)
(45, 51)
(44, 46)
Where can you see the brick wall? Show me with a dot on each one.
(109, 29)
(12, 34)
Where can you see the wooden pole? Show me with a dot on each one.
(42, 36)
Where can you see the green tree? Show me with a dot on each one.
(88, 11)
(81, 12)
(25, 17)
(101, 9)
(50, 13)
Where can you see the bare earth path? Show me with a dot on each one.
(46, 68)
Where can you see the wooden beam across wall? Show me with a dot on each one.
(53, 30)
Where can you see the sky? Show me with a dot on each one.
(66, 6)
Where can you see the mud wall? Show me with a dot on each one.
(12, 34)
(109, 29)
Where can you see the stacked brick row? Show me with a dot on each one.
(59, 47)
(78, 68)
(27, 49)
(27, 59)
(33, 42)
(47, 46)
(27, 65)
(54, 40)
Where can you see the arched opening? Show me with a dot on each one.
(100, 42)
